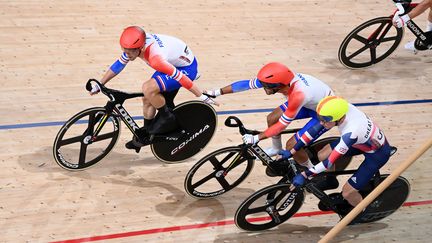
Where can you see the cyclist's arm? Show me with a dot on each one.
(241, 85)
(296, 100)
(420, 8)
(341, 148)
(158, 63)
(115, 68)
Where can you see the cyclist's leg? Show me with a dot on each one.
(367, 169)
(169, 98)
(309, 133)
(162, 87)
(273, 118)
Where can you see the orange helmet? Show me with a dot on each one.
(275, 74)
(132, 37)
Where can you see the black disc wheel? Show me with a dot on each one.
(370, 43)
(76, 147)
(199, 121)
(268, 207)
(218, 172)
(390, 200)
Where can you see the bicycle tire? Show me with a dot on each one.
(215, 171)
(390, 200)
(94, 114)
(345, 57)
(199, 120)
(282, 206)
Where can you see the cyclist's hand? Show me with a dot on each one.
(250, 139)
(208, 100)
(215, 92)
(95, 89)
(285, 154)
(400, 21)
(298, 181)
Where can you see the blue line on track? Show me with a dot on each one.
(60, 123)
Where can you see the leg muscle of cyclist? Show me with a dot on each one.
(325, 152)
(300, 156)
(148, 109)
(351, 194)
(151, 90)
(272, 118)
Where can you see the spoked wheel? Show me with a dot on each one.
(75, 147)
(218, 172)
(268, 207)
(199, 121)
(370, 43)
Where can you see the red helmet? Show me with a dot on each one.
(274, 74)
(132, 37)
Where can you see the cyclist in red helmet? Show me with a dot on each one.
(175, 65)
(303, 92)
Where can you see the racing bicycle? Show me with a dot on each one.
(375, 39)
(224, 169)
(90, 135)
(276, 204)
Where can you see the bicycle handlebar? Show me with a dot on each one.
(111, 92)
(229, 123)
(89, 86)
(401, 9)
(233, 121)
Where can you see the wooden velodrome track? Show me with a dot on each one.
(48, 49)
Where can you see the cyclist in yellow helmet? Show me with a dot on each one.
(359, 135)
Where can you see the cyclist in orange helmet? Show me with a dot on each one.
(175, 65)
(303, 92)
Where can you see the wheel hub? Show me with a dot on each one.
(220, 173)
(87, 139)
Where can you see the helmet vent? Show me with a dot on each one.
(270, 76)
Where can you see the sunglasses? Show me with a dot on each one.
(269, 85)
(325, 118)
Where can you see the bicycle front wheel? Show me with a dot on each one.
(76, 147)
(370, 43)
(218, 172)
(268, 207)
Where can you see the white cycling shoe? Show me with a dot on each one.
(410, 47)
(272, 151)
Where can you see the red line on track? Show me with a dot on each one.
(205, 225)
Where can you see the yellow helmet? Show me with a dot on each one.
(332, 108)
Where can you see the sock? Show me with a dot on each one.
(147, 122)
(277, 142)
(307, 164)
(429, 26)
(163, 110)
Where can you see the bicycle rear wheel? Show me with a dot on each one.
(199, 121)
(390, 200)
(75, 148)
(218, 172)
(268, 207)
(370, 43)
